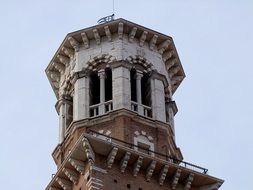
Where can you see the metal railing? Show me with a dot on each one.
(150, 152)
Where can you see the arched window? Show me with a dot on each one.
(140, 93)
(143, 143)
(100, 92)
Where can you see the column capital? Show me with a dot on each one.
(101, 73)
(139, 75)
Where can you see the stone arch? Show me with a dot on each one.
(100, 59)
(137, 59)
(144, 141)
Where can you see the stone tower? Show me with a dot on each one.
(114, 84)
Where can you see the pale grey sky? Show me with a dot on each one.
(214, 40)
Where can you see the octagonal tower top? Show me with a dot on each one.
(158, 45)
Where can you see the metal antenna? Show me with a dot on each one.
(107, 18)
(113, 7)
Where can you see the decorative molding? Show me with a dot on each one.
(77, 164)
(176, 79)
(150, 170)
(163, 174)
(188, 183)
(72, 175)
(173, 71)
(108, 33)
(111, 157)
(55, 76)
(124, 162)
(85, 40)
(63, 59)
(96, 36)
(59, 67)
(167, 55)
(53, 188)
(132, 34)
(137, 166)
(99, 169)
(163, 46)
(94, 184)
(176, 179)
(120, 30)
(95, 61)
(66, 185)
(69, 52)
(170, 63)
(88, 150)
(152, 42)
(214, 186)
(143, 38)
(74, 43)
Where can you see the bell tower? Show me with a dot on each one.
(114, 84)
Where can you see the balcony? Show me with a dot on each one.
(101, 108)
(141, 109)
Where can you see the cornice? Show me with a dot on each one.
(155, 41)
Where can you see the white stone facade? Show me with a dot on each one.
(119, 46)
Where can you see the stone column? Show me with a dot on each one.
(139, 75)
(63, 106)
(158, 100)
(121, 87)
(81, 98)
(62, 123)
(101, 75)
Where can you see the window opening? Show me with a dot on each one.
(94, 88)
(133, 85)
(108, 84)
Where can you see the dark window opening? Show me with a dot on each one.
(140, 188)
(133, 85)
(108, 84)
(128, 186)
(94, 88)
(115, 181)
(146, 90)
(69, 116)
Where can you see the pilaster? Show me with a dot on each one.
(81, 99)
(121, 85)
(158, 100)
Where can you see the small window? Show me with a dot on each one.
(115, 181)
(128, 186)
(145, 148)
